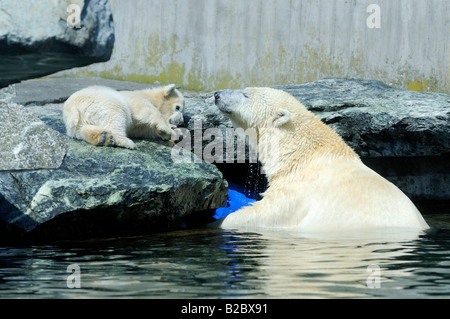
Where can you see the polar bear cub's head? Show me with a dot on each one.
(170, 102)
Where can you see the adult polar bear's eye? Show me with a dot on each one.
(246, 95)
(177, 107)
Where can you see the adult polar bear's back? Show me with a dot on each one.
(316, 181)
(346, 194)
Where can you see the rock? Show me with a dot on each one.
(27, 142)
(58, 90)
(104, 191)
(378, 120)
(35, 39)
(108, 192)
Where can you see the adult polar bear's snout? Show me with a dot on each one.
(237, 106)
(243, 112)
(229, 101)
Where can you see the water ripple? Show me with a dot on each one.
(213, 263)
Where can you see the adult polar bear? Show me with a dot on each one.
(316, 181)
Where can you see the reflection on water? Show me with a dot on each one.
(212, 263)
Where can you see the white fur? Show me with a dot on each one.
(119, 115)
(316, 182)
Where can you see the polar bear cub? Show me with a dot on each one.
(316, 181)
(103, 116)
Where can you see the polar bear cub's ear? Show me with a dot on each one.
(169, 90)
(282, 117)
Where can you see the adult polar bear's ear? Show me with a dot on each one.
(282, 117)
(169, 90)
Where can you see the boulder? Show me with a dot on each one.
(41, 37)
(26, 141)
(57, 90)
(378, 120)
(108, 192)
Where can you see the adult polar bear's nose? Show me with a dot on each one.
(222, 103)
(229, 101)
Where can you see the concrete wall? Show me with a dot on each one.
(214, 44)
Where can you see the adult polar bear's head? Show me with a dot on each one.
(287, 134)
(270, 115)
(257, 107)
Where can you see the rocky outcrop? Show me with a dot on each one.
(36, 38)
(108, 192)
(378, 120)
(98, 191)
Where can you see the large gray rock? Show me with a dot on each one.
(25, 141)
(58, 90)
(108, 192)
(379, 120)
(35, 39)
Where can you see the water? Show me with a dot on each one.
(213, 263)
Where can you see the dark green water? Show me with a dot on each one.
(213, 263)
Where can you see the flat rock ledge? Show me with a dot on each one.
(108, 192)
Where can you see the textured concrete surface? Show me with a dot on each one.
(217, 44)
